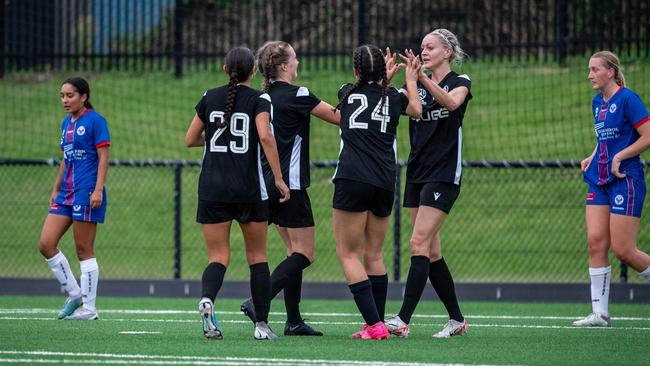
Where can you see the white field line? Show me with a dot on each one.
(139, 332)
(109, 358)
(351, 323)
(309, 315)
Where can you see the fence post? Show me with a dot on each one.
(3, 27)
(178, 169)
(397, 256)
(623, 278)
(178, 39)
(361, 31)
(560, 31)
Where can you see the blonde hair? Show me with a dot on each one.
(269, 58)
(449, 40)
(611, 61)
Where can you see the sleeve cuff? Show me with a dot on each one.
(642, 121)
(103, 143)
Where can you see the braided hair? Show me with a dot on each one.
(269, 58)
(239, 64)
(368, 61)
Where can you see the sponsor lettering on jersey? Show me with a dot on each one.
(434, 115)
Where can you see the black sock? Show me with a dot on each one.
(292, 291)
(443, 283)
(261, 290)
(293, 264)
(212, 280)
(415, 283)
(362, 292)
(379, 292)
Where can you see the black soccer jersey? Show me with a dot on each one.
(368, 136)
(436, 138)
(232, 169)
(292, 106)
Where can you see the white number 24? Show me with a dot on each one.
(384, 118)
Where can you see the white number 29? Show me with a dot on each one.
(239, 127)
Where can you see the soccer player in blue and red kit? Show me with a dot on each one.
(616, 184)
(78, 198)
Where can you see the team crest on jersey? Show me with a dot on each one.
(612, 108)
(81, 130)
(422, 93)
(446, 88)
(618, 199)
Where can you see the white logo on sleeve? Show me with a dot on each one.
(612, 108)
(81, 130)
(618, 199)
(436, 195)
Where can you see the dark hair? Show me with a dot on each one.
(239, 64)
(370, 66)
(269, 58)
(81, 86)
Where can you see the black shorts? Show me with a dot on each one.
(209, 212)
(295, 213)
(355, 196)
(440, 195)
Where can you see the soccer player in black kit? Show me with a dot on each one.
(433, 177)
(292, 107)
(231, 122)
(364, 179)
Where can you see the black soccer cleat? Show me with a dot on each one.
(300, 329)
(248, 308)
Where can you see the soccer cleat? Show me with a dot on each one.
(71, 304)
(377, 332)
(594, 320)
(248, 308)
(82, 314)
(263, 331)
(452, 328)
(300, 329)
(211, 328)
(396, 326)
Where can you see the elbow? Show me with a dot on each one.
(266, 139)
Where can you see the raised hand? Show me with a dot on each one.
(392, 67)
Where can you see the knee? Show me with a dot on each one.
(598, 244)
(372, 259)
(624, 253)
(47, 248)
(419, 246)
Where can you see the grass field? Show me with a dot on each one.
(508, 225)
(168, 331)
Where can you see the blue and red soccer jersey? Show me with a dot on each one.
(79, 142)
(615, 124)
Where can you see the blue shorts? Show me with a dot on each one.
(625, 196)
(80, 212)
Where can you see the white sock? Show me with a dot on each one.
(646, 274)
(61, 269)
(89, 279)
(600, 278)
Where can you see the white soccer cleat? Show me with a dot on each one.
(452, 328)
(71, 304)
(82, 314)
(211, 328)
(594, 320)
(263, 331)
(396, 326)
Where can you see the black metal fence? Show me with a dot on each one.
(166, 35)
(515, 221)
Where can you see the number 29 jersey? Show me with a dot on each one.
(368, 151)
(232, 169)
